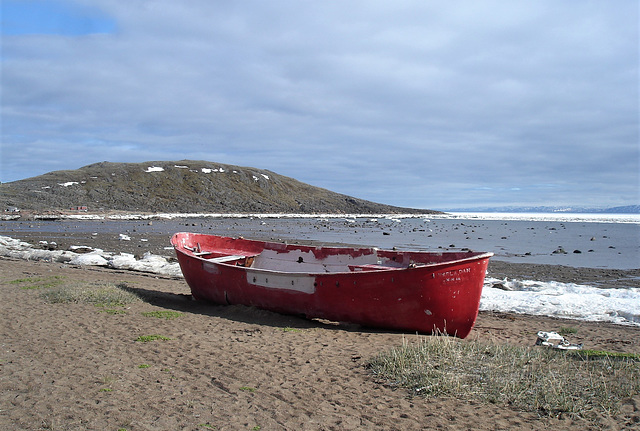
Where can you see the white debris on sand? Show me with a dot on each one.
(89, 259)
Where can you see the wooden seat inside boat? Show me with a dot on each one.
(373, 267)
(230, 259)
(226, 259)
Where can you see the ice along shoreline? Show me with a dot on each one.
(556, 217)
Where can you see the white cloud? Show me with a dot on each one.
(409, 103)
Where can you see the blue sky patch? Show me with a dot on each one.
(25, 17)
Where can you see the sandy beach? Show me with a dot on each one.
(76, 367)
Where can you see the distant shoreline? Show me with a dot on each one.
(132, 215)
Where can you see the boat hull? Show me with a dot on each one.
(409, 291)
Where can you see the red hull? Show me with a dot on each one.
(416, 291)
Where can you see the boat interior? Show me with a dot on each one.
(299, 261)
(307, 262)
(306, 259)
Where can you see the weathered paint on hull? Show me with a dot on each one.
(410, 291)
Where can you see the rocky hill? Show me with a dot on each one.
(185, 186)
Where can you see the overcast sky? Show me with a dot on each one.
(428, 104)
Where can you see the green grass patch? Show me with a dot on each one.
(38, 282)
(148, 338)
(162, 314)
(247, 389)
(99, 294)
(288, 329)
(111, 310)
(144, 366)
(547, 381)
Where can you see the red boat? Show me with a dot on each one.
(404, 290)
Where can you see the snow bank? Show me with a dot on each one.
(564, 300)
(148, 263)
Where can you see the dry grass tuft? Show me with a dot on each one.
(100, 294)
(547, 381)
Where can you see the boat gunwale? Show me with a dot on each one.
(382, 269)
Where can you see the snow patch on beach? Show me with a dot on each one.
(17, 249)
(83, 217)
(563, 300)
